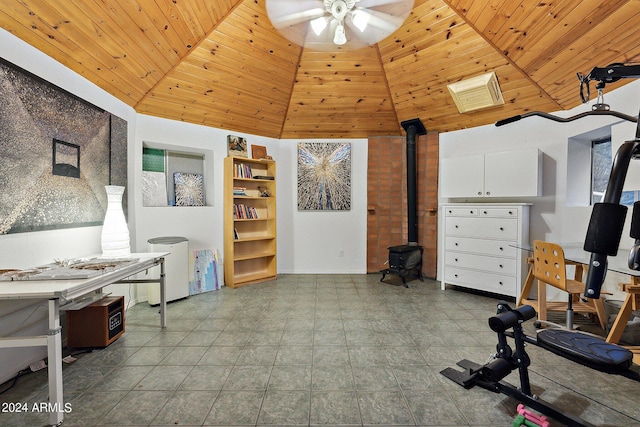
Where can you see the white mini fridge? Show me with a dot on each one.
(176, 268)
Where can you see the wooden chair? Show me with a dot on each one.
(549, 267)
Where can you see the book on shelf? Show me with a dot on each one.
(236, 236)
(270, 178)
(239, 191)
(242, 211)
(242, 170)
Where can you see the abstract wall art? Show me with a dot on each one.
(324, 176)
(57, 153)
(204, 271)
(189, 189)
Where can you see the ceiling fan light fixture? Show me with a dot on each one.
(340, 37)
(360, 19)
(339, 8)
(352, 24)
(318, 25)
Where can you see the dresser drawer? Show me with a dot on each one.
(481, 246)
(461, 211)
(498, 212)
(505, 285)
(481, 262)
(492, 228)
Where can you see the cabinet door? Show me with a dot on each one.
(512, 173)
(462, 176)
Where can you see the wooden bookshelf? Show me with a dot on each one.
(249, 221)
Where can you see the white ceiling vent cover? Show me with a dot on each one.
(476, 93)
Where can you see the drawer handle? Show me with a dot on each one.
(500, 283)
(456, 259)
(471, 212)
(501, 266)
(479, 193)
(484, 212)
(455, 275)
(501, 248)
(488, 193)
(456, 226)
(450, 211)
(501, 228)
(456, 243)
(510, 213)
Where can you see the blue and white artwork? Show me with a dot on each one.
(324, 176)
(204, 272)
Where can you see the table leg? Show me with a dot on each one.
(163, 296)
(528, 284)
(54, 354)
(621, 320)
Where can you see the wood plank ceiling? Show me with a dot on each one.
(221, 63)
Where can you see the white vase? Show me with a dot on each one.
(115, 232)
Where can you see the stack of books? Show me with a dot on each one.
(244, 212)
(242, 171)
(239, 191)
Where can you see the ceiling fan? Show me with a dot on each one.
(337, 24)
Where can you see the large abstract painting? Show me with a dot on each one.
(324, 176)
(57, 152)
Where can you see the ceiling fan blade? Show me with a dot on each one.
(376, 3)
(283, 13)
(383, 21)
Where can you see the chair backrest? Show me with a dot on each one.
(548, 264)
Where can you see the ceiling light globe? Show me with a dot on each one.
(340, 37)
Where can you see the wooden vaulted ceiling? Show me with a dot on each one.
(221, 63)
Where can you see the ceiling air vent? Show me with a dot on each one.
(476, 93)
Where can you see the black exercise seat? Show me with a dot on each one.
(586, 350)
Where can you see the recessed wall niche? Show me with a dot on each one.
(176, 176)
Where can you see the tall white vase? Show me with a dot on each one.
(115, 232)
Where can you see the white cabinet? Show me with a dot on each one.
(480, 246)
(502, 174)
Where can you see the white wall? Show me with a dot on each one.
(554, 216)
(321, 242)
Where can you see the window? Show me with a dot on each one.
(601, 161)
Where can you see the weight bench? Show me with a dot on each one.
(581, 348)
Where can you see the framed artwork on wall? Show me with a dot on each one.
(324, 176)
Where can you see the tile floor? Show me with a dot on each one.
(325, 350)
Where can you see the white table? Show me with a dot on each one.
(60, 292)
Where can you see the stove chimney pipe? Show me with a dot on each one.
(413, 127)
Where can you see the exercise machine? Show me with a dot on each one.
(602, 240)
(581, 348)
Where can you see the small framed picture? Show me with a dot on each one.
(236, 146)
(258, 152)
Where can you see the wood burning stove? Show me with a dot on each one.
(406, 260)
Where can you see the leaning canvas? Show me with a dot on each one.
(189, 189)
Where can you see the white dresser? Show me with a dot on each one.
(480, 246)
